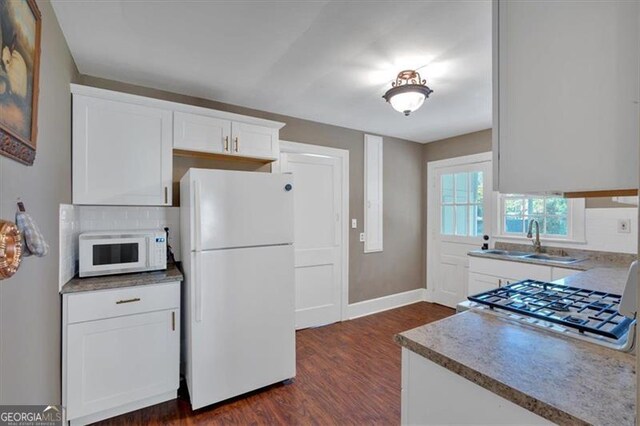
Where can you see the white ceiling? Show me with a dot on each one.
(320, 60)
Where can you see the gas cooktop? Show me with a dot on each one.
(586, 311)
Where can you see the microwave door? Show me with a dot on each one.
(115, 255)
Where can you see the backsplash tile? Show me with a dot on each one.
(77, 219)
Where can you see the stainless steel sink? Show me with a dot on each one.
(550, 258)
(508, 253)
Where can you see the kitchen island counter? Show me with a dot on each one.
(562, 379)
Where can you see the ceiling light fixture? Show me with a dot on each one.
(408, 92)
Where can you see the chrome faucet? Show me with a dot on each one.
(536, 243)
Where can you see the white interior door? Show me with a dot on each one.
(318, 236)
(459, 217)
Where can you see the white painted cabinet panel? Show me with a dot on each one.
(123, 359)
(487, 274)
(479, 283)
(506, 268)
(200, 133)
(254, 141)
(558, 273)
(434, 395)
(122, 153)
(115, 361)
(373, 193)
(566, 94)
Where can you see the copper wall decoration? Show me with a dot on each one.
(10, 249)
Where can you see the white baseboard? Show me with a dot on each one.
(368, 307)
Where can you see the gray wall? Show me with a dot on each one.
(29, 301)
(400, 266)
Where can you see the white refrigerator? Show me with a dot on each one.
(238, 301)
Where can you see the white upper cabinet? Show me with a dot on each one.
(123, 144)
(122, 153)
(254, 141)
(566, 94)
(200, 133)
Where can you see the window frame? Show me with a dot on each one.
(575, 220)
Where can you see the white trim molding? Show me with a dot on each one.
(368, 307)
(373, 193)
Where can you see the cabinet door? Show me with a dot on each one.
(558, 273)
(120, 360)
(121, 153)
(567, 92)
(200, 133)
(479, 283)
(255, 141)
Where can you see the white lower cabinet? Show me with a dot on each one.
(479, 283)
(486, 274)
(434, 395)
(126, 360)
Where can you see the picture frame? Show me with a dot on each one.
(20, 32)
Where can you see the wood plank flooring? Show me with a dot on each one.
(347, 373)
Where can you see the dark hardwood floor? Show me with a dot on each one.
(347, 373)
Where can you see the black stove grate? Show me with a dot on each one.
(588, 311)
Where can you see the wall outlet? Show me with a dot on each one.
(354, 223)
(362, 237)
(624, 226)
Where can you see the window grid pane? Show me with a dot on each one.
(552, 214)
(462, 211)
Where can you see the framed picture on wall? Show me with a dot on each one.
(20, 23)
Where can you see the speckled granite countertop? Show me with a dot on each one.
(590, 258)
(172, 273)
(566, 381)
(611, 280)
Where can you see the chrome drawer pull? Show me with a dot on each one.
(119, 302)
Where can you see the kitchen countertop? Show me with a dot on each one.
(590, 258)
(562, 379)
(565, 380)
(75, 285)
(611, 280)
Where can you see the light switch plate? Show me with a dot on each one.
(354, 223)
(362, 237)
(624, 226)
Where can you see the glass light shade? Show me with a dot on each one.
(407, 102)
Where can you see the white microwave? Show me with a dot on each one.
(122, 252)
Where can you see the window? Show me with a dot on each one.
(559, 218)
(462, 204)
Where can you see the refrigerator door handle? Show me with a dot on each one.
(197, 287)
(197, 221)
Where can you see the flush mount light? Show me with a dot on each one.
(408, 92)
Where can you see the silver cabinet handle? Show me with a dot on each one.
(173, 320)
(237, 143)
(120, 302)
(166, 195)
(226, 143)
(499, 283)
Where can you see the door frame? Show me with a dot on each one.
(304, 148)
(432, 167)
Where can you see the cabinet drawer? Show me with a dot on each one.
(505, 268)
(126, 301)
